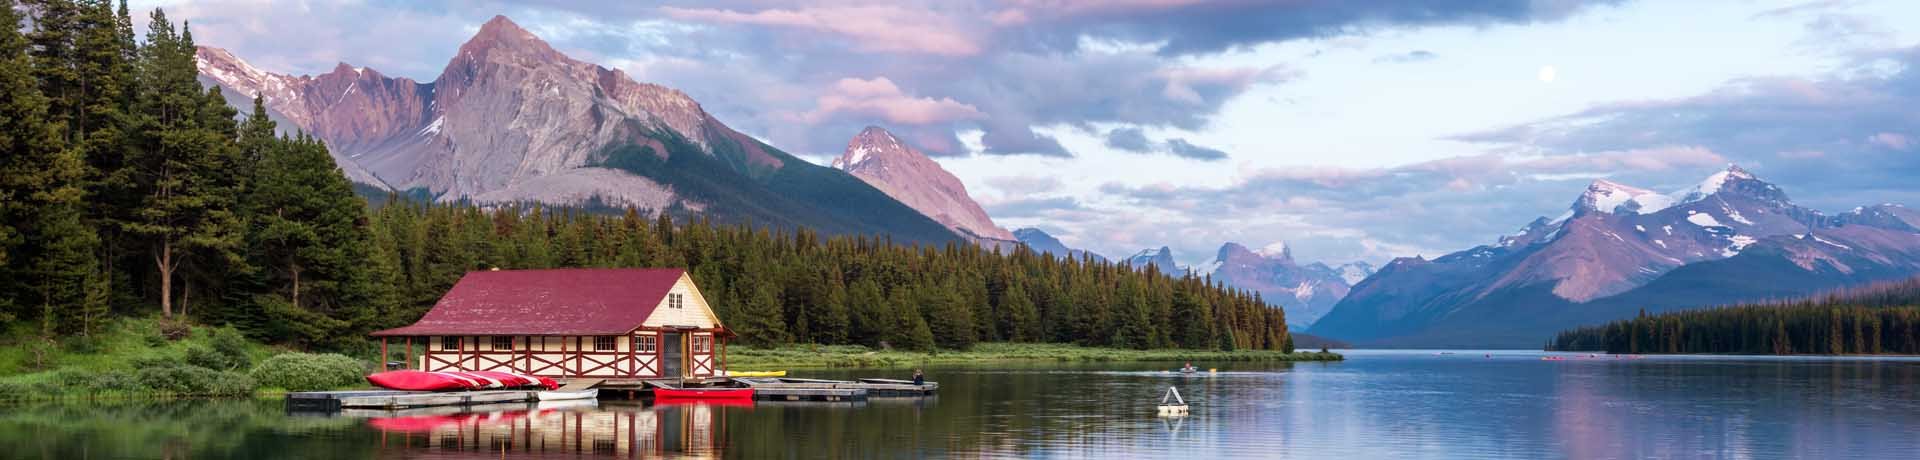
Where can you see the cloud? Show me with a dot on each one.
(1134, 140)
(1860, 112)
(1407, 57)
(1191, 27)
(1024, 185)
(1890, 140)
(1031, 207)
(1181, 148)
(884, 28)
(1130, 140)
(880, 98)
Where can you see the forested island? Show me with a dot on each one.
(131, 193)
(1877, 319)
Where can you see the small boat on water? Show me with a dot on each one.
(757, 374)
(704, 393)
(590, 393)
(1172, 405)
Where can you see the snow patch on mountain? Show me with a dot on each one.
(1704, 220)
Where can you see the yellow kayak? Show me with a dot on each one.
(758, 374)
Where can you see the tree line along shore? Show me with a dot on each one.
(1881, 318)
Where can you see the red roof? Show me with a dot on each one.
(572, 301)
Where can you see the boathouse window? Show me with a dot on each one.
(449, 342)
(676, 301)
(502, 343)
(648, 344)
(702, 344)
(603, 343)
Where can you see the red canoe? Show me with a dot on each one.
(738, 394)
(453, 381)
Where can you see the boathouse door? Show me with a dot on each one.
(672, 351)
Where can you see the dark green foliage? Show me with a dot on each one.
(228, 351)
(309, 372)
(189, 380)
(1882, 318)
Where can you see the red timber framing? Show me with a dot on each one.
(704, 354)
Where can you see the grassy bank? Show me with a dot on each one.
(139, 358)
(742, 358)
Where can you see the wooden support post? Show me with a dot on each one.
(563, 359)
(383, 356)
(409, 364)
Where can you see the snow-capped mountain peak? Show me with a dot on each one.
(1277, 250)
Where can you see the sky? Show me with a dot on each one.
(1349, 130)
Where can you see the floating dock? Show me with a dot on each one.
(385, 399)
(764, 388)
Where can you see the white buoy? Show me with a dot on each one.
(1172, 405)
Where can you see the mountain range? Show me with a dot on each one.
(1044, 243)
(1306, 292)
(1620, 250)
(510, 119)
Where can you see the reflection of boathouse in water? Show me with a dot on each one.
(624, 431)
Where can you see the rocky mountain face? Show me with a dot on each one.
(1619, 249)
(1306, 292)
(510, 119)
(886, 163)
(1044, 243)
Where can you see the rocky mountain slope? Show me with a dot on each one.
(1306, 292)
(510, 119)
(888, 164)
(1732, 237)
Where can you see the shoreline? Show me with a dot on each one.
(742, 358)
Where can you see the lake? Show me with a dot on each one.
(1377, 404)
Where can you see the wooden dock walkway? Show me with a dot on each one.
(764, 388)
(386, 399)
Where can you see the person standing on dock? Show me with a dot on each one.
(919, 378)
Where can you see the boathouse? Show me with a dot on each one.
(569, 323)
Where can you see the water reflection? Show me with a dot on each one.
(1375, 405)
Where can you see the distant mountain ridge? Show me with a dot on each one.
(1732, 237)
(1306, 292)
(1041, 242)
(510, 119)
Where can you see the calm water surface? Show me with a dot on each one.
(1377, 404)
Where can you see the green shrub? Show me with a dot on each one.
(84, 382)
(232, 347)
(212, 358)
(84, 344)
(308, 372)
(187, 380)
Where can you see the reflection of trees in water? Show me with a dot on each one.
(200, 429)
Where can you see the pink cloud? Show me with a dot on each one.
(1021, 11)
(882, 28)
(881, 98)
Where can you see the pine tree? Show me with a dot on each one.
(832, 323)
(1020, 318)
(178, 163)
(760, 318)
